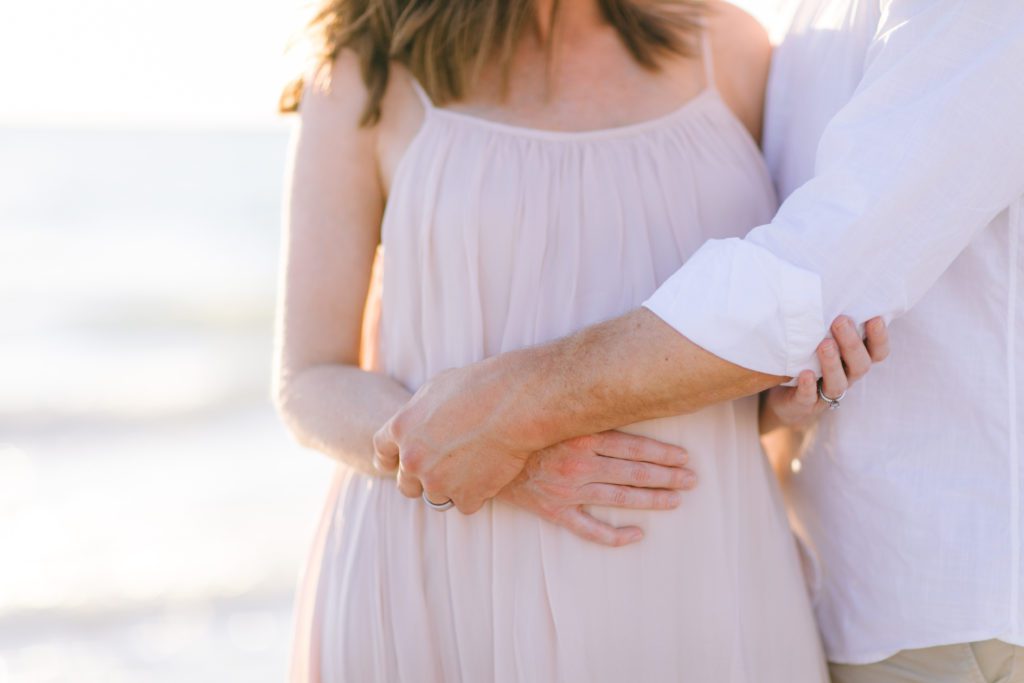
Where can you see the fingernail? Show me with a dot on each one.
(689, 480)
(636, 536)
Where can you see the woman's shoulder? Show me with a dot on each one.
(334, 106)
(741, 50)
(736, 34)
(334, 93)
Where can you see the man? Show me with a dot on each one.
(896, 129)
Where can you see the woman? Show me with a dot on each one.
(530, 167)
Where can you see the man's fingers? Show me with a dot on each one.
(589, 528)
(630, 497)
(385, 457)
(642, 474)
(834, 381)
(852, 349)
(877, 339)
(632, 447)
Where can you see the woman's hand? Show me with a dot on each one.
(611, 468)
(844, 360)
(443, 442)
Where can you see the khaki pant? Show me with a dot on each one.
(991, 661)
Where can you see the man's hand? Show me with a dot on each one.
(611, 468)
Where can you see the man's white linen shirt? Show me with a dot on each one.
(895, 130)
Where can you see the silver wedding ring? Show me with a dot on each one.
(440, 507)
(832, 403)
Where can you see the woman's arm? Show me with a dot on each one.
(331, 404)
(334, 206)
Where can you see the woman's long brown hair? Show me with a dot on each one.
(444, 43)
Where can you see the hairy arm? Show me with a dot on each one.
(331, 232)
(927, 152)
(468, 432)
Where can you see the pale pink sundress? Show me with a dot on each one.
(496, 237)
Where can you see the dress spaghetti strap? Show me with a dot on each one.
(709, 62)
(425, 100)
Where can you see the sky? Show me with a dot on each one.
(144, 62)
(175, 63)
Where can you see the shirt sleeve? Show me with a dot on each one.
(928, 151)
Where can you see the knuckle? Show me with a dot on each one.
(413, 460)
(634, 450)
(617, 540)
(566, 467)
(428, 481)
(675, 455)
(397, 426)
(585, 464)
(639, 475)
(660, 501)
(619, 496)
(584, 443)
(407, 487)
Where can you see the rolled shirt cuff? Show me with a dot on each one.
(745, 305)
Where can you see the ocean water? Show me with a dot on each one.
(154, 514)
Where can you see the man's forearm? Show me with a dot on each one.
(629, 369)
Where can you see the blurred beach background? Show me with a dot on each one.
(154, 514)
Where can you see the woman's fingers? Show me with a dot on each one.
(610, 470)
(834, 382)
(629, 497)
(638, 448)
(589, 528)
(877, 339)
(409, 485)
(852, 349)
(806, 394)
(385, 457)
